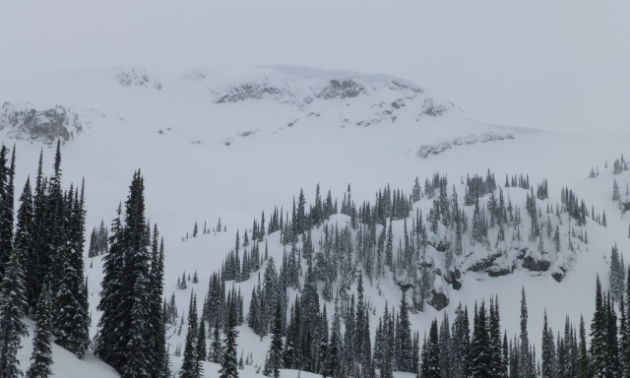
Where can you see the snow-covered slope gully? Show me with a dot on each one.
(231, 142)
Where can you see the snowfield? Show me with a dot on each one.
(231, 142)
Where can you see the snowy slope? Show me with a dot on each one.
(231, 142)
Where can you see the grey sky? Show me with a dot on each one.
(560, 65)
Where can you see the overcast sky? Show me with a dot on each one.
(557, 65)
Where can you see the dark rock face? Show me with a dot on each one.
(436, 149)
(495, 271)
(535, 265)
(443, 245)
(559, 276)
(453, 277)
(438, 300)
(249, 91)
(45, 126)
(483, 264)
(626, 205)
(430, 108)
(342, 89)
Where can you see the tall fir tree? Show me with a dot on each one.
(598, 354)
(275, 348)
(42, 351)
(548, 367)
(229, 363)
(126, 334)
(12, 305)
(24, 239)
(189, 365)
(7, 174)
(431, 367)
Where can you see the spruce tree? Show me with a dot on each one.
(583, 362)
(12, 305)
(189, 365)
(333, 363)
(431, 367)
(7, 174)
(126, 335)
(624, 332)
(322, 356)
(460, 343)
(446, 356)
(24, 239)
(201, 347)
(275, 348)
(42, 351)
(616, 275)
(548, 351)
(598, 356)
(107, 340)
(229, 363)
(215, 354)
(405, 361)
(524, 358)
(480, 345)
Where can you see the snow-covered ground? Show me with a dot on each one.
(233, 142)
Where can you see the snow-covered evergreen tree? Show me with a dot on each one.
(275, 348)
(42, 351)
(12, 305)
(7, 174)
(229, 362)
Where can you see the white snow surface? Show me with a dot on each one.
(203, 159)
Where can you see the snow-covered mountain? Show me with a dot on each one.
(232, 142)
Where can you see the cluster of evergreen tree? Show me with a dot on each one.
(41, 261)
(306, 342)
(517, 182)
(620, 165)
(132, 328)
(98, 241)
(477, 187)
(239, 269)
(576, 209)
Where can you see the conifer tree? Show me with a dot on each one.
(524, 358)
(42, 351)
(126, 335)
(497, 367)
(24, 239)
(460, 343)
(616, 275)
(583, 362)
(7, 174)
(189, 365)
(200, 352)
(446, 362)
(431, 367)
(12, 305)
(548, 351)
(229, 363)
(480, 345)
(215, 354)
(624, 332)
(275, 348)
(333, 364)
(405, 360)
(598, 356)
